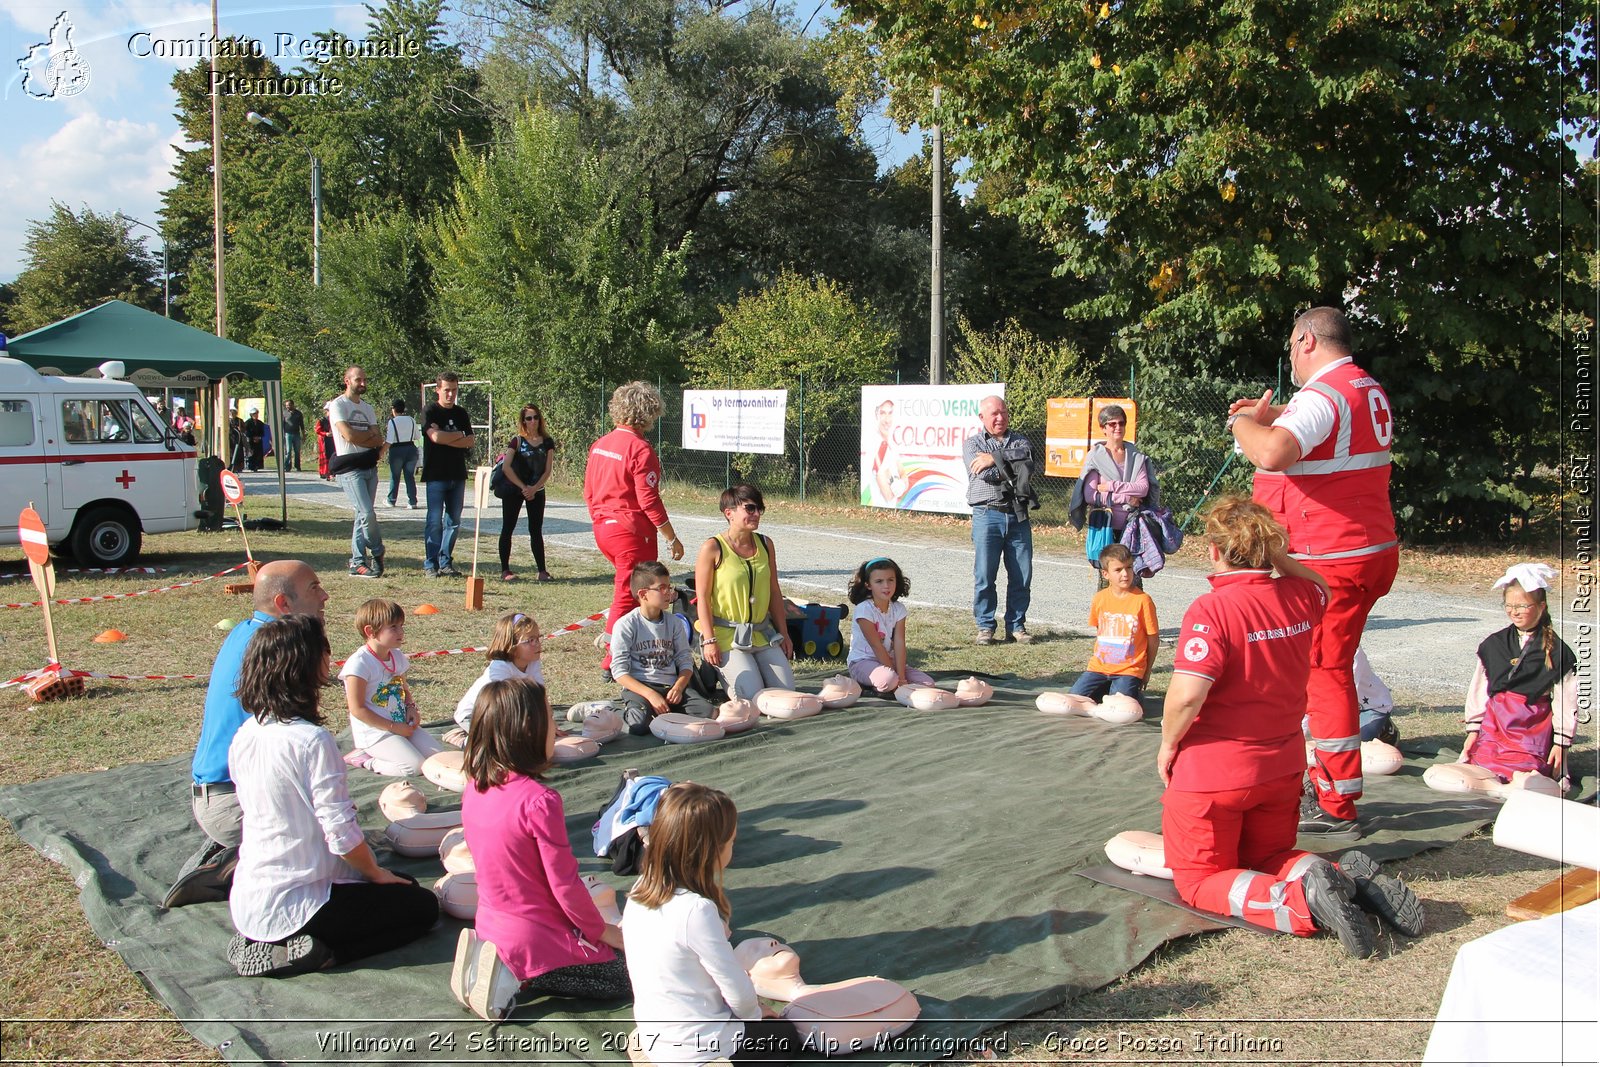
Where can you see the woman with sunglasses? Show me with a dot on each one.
(526, 464)
(744, 631)
(1116, 475)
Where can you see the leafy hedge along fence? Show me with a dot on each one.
(1182, 420)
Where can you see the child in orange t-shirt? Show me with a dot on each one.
(1126, 632)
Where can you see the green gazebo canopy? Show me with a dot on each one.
(156, 351)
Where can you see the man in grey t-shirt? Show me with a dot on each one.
(358, 445)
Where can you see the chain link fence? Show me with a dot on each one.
(1181, 426)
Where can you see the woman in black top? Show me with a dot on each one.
(526, 465)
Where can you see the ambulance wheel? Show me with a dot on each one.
(105, 537)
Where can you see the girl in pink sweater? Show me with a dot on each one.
(531, 903)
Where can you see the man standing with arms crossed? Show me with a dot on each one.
(358, 445)
(1322, 469)
(999, 489)
(283, 587)
(446, 442)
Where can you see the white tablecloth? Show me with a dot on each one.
(1527, 994)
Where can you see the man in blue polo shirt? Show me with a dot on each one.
(284, 587)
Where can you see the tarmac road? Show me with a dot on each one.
(1422, 642)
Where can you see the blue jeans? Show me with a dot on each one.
(361, 489)
(1373, 723)
(290, 460)
(1095, 686)
(403, 461)
(998, 535)
(444, 520)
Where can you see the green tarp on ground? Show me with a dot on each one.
(936, 849)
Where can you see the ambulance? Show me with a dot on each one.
(94, 460)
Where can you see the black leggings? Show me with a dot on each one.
(592, 981)
(362, 919)
(509, 509)
(767, 1041)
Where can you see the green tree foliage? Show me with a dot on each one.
(76, 262)
(689, 94)
(1032, 368)
(548, 271)
(1220, 166)
(798, 334)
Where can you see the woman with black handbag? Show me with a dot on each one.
(524, 470)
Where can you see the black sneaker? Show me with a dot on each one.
(1390, 734)
(367, 570)
(1315, 820)
(1330, 896)
(208, 883)
(1383, 895)
(276, 959)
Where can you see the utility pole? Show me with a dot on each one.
(936, 285)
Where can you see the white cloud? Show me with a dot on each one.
(108, 165)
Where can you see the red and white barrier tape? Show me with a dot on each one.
(56, 668)
(125, 596)
(93, 570)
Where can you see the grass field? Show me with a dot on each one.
(67, 997)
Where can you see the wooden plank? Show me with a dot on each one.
(1577, 887)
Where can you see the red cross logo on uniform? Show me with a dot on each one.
(1382, 417)
(125, 479)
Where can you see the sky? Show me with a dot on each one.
(104, 136)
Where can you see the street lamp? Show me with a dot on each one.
(166, 275)
(256, 118)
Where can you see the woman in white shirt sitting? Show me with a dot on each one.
(308, 892)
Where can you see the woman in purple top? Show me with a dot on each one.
(532, 905)
(1116, 474)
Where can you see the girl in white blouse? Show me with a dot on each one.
(692, 1001)
(308, 892)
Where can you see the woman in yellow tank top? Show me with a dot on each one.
(742, 624)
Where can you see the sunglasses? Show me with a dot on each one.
(753, 509)
(532, 418)
(1112, 422)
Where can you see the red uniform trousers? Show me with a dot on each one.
(1354, 586)
(1233, 853)
(624, 546)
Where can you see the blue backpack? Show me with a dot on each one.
(1097, 533)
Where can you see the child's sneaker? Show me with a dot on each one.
(480, 982)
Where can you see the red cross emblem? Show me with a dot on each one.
(125, 478)
(1382, 418)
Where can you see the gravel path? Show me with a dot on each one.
(1420, 641)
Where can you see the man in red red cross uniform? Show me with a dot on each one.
(1322, 469)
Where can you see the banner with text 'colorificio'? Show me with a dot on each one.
(911, 439)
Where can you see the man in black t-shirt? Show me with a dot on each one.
(447, 441)
(294, 432)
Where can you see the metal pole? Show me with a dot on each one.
(216, 175)
(316, 220)
(166, 282)
(802, 441)
(936, 283)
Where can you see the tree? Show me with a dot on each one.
(77, 262)
(548, 272)
(804, 332)
(1217, 167)
(687, 93)
(1033, 369)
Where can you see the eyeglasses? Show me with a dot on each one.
(1518, 609)
(530, 641)
(1296, 339)
(753, 509)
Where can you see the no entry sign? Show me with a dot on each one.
(232, 487)
(34, 543)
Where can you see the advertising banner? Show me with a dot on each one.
(735, 420)
(1072, 426)
(911, 438)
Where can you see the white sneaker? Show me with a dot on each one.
(480, 982)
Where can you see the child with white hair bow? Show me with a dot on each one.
(1521, 708)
